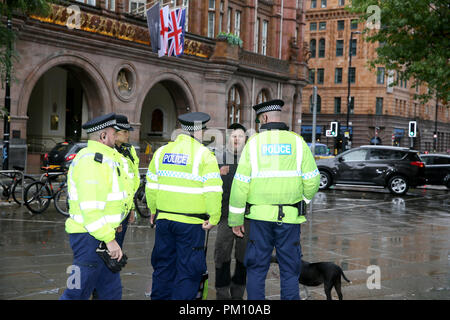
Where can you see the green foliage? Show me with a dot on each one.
(414, 40)
(8, 8)
(231, 38)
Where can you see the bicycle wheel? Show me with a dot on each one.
(140, 202)
(62, 201)
(17, 188)
(37, 197)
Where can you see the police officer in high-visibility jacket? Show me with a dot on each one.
(184, 190)
(276, 172)
(130, 164)
(97, 206)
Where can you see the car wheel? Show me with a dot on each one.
(398, 185)
(325, 180)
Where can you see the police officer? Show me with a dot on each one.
(276, 172)
(228, 287)
(97, 202)
(184, 189)
(130, 165)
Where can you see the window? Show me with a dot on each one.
(320, 76)
(220, 17)
(135, 6)
(323, 3)
(263, 96)
(355, 155)
(110, 5)
(312, 47)
(379, 106)
(256, 47)
(353, 46)
(234, 106)
(341, 3)
(229, 13)
(337, 105)
(322, 48)
(380, 154)
(352, 75)
(352, 105)
(380, 75)
(237, 24)
(313, 26)
(354, 24)
(312, 76)
(264, 37)
(341, 24)
(322, 25)
(211, 18)
(89, 2)
(338, 75)
(313, 4)
(186, 19)
(319, 104)
(339, 48)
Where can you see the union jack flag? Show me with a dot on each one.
(177, 18)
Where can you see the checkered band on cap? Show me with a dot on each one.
(273, 107)
(124, 125)
(195, 127)
(102, 126)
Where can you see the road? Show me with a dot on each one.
(389, 247)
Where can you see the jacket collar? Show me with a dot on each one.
(274, 126)
(100, 147)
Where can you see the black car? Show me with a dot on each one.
(437, 169)
(63, 154)
(375, 166)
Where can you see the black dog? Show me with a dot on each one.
(314, 274)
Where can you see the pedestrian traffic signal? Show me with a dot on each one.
(412, 131)
(334, 129)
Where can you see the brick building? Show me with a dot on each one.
(376, 109)
(71, 70)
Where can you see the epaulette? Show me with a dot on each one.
(98, 157)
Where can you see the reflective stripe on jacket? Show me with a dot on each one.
(97, 193)
(276, 167)
(184, 177)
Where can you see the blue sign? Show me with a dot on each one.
(175, 158)
(276, 149)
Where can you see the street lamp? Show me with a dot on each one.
(348, 82)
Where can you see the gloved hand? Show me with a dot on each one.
(112, 264)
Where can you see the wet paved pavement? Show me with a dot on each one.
(407, 238)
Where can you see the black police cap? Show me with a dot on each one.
(100, 123)
(122, 123)
(193, 121)
(272, 105)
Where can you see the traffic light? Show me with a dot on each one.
(412, 130)
(334, 129)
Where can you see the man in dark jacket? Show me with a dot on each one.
(228, 287)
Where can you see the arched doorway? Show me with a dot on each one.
(160, 109)
(57, 98)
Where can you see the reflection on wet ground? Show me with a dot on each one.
(407, 237)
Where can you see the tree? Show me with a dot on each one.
(7, 35)
(414, 40)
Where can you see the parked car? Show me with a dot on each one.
(375, 166)
(321, 151)
(62, 154)
(437, 169)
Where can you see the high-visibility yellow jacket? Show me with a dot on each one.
(276, 167)
(130, 164)
(98, 199)
(183, 177)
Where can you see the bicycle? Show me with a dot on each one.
(140, 201)
(39, 194)
(14, 186)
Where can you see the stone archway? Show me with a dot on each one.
(44, 106)
(163, 100)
